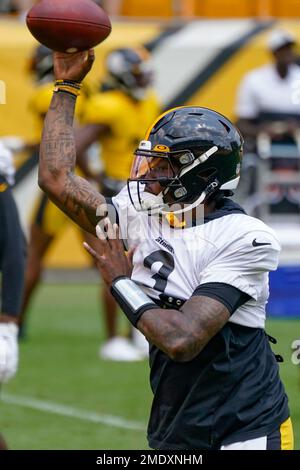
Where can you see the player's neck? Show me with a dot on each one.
(282, 70)
(209, 207)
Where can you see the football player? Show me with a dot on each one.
(116, 118)
(199, 285)
(12, 266)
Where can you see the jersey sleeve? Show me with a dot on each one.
(247, 106)
(244, 262)
(231, 297)
(101, 109)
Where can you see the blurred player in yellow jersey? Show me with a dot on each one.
(47, 221)
(116, 117)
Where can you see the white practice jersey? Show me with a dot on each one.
(230, 248)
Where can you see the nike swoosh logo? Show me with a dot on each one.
(255, 243)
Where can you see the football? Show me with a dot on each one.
(68, 25)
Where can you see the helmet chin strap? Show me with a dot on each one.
(156, 205)
(152, 202)
(188, 208)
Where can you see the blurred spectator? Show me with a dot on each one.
(268, 110)
(271, 90)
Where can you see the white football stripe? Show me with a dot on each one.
(71, 412)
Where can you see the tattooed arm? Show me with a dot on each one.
(183, 334)
(71, 193)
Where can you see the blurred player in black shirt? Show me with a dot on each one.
(12, 262)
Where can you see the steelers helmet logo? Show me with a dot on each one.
(161, 148)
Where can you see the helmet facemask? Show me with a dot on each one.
(169, 171)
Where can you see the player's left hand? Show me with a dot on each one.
(9, 351)
(109, 254)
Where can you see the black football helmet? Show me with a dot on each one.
(193, 153)
(41, 64)
(130, 69)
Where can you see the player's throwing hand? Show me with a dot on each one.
(73, 66)
(111, 260)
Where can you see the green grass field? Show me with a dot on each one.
(64, 397)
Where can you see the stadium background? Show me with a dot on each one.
(201, 50)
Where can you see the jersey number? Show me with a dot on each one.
(161, 277)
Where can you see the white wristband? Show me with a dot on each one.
(133, 301)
